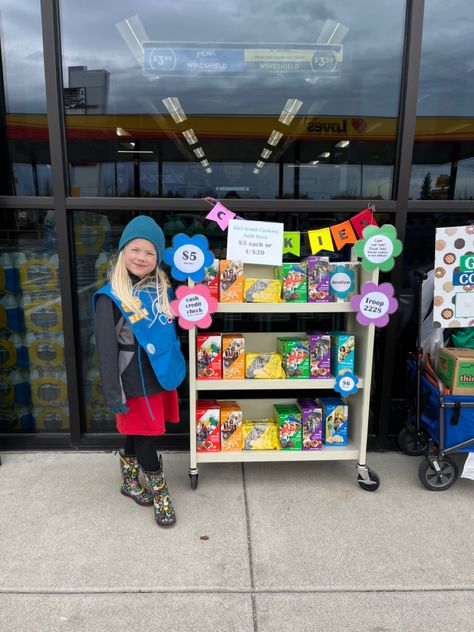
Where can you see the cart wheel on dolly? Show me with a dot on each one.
(411, 442)
(194, 476)
(368, 479)
(438, 474)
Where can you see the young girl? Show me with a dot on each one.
(140, 359)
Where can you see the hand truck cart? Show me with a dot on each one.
(438, 425)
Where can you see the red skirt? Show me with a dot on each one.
(138, 421)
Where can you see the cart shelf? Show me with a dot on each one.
(259, 384)
(348, 452)
(284, 308)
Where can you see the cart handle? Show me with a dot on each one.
(420, 275)
(437, 380)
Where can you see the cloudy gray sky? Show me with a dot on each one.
(368, 84)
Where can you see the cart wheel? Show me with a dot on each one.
(369, 487)
(194, 480)
(439, 474)
(412, 444)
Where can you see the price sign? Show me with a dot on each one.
(189, 257)
(255, 242)
(374, 304)
(347, 384)
(193, 306)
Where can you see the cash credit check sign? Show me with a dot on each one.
(255, 242)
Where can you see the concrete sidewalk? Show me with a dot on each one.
(291, 546)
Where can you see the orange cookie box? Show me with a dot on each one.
(231, 427)
(233, 357)
(231, 282)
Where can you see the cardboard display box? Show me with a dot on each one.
(456, 369)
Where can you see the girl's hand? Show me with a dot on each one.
(121, 409)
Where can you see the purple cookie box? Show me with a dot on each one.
(320, 363)
(311, 424)
(318, 280)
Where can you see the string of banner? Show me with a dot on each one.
(264, 243)
(328, 239)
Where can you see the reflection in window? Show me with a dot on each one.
(24, 145)
(293, 86)
(33, 385)
(443, 165)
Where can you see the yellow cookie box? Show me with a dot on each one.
(266, 366)
(262, 291)
(260, 434)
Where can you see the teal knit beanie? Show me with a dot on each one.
(144, 227)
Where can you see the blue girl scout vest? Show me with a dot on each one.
(160, 341)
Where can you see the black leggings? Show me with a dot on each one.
(144, 448)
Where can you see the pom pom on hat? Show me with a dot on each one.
(144, 227)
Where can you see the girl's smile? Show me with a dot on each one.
(140, 257)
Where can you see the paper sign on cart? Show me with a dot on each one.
(468, 471)
(255, 242)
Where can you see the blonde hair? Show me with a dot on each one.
(125, 291)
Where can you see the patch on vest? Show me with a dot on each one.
(150, 348)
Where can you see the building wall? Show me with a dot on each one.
(104, 115)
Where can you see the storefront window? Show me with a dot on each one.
(300, 102)
(419, 254)
(443, 157)
(33, 385)
(24, 146)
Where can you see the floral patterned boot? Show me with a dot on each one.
(130, 484)
(165, 515)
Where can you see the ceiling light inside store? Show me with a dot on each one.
(199, 152)
(135, 151)
(256, 171)
(205, 163)
(343, 143)
(133, 34)
(325, 154)
(332, 32)
(190, 136)
(266, 153)
(289, 111)
(274, 138)
(314, 162)
(260, 164)
(122, 132)
(173, 106)
(208, 170)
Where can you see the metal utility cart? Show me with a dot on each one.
(262, 406)
(438, 425)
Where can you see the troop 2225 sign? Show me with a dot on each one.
(374, 304)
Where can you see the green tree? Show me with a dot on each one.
(425, 191)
